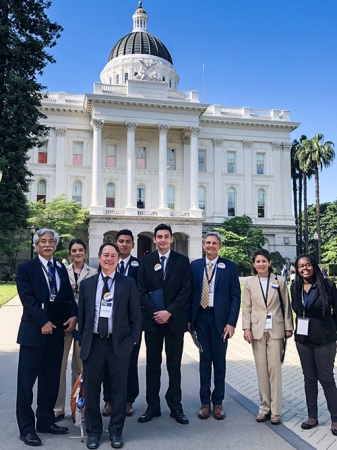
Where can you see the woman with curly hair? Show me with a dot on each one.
(314, 300)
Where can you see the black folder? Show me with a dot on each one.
(58, 312)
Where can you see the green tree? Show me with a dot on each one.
(25, 34)
(329, 252)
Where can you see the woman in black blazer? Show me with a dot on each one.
(314, 300)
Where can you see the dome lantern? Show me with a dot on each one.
(140, 19)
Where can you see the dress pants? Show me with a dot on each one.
(214, 353)
(267, 353)
(101, 355)
(42, 363)
(76, 368)
(318, 364)
(173, 348)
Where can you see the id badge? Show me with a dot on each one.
(106, 306)
(211, 299)
(52, 297)
(302, 326)
(269, 322)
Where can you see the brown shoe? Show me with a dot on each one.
(274, 419)
(218, 412)
(106, 411)
(129, 409)
(204, 412)
(262, 417)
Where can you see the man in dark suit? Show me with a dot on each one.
(212, 312)
(164, 283)
(49, 308)
(128, 266)
(109, 325)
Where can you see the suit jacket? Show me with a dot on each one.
(226, 293)
(133, 271)
(86, 272)
(33, 291)
(322, 330)
(126, 315)
(176, 288)
(255, 310)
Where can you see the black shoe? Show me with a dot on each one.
(59, 418)
(180, 417)
(92, 442)
(53, 429)
(117, 442)
(31, 439)
(148, 415)
(334, 431)
(307, 426)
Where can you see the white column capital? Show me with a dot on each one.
(163, 128)
(131, 126)
(97, 124)
(247, 144)
(60, 131)
(194, 131)
(217, 142)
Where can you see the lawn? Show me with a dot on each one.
(7, 291)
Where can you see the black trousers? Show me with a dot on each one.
(44, 364)
(103, 355)
(173, 348)
(317, 365)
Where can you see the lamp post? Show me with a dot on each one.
(316, 245)
(32, 232)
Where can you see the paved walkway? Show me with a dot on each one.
(239, 430)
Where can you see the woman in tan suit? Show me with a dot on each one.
(77, 271)
(265, 324)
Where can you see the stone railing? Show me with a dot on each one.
(119, 89)
(187, 96)
(62, 97)
(247, 113)
(143, 212)
(114, 212)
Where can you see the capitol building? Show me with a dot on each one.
(138, 152)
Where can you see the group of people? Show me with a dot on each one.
(102, 313)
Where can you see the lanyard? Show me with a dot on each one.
(76, 277)
(105, 283)
(209, 280)
(265, 296)
(52, 283)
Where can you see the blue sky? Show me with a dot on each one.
(261, 54)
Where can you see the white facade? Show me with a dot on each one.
(140, 152)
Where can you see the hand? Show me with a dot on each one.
(48, 328)
(161, 317)
(289, 334)
(70, 324)
(247, 336)
(229, 331)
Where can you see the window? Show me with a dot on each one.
(41, 190)
(110, 195)
(170, 197)
(231, 162)
(202, 197)
(77, 191)
(117, 79)
(110, 156)
(260, 203)
(141, 158)
(163, 78)
(77, 153)
(171, 159)
(231, 202)
(141, 197)
(202, 160)
(126, 77)
(260, 163)
(43, 152)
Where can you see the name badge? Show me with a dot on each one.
(52, 297)
(157, 267)
(275, 285)
(302, 326)
(106, 306)
(134, 264)
(221, 265)
(269, 322)
(211, 299)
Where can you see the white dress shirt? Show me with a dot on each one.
(126, 264)
(211, 286)
(98, 301)
(45, 264)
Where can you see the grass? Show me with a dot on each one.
(7, 292)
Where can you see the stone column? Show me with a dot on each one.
(130, 208)
(287, 191)
(187, 172)
(96, 206)
(163, 210)
(277, 207)
(195, 211)
(249, 208)
(218, 194)
(59, 175)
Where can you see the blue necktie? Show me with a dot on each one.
(51, 273)
(162, 263)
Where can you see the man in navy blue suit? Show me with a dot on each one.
(49, 308)
(213, 311)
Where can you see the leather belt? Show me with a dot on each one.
(103, 337)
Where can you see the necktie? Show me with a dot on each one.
(102, 327)
(52, 282)
(162, 263)
(205, 287)
(121, 267)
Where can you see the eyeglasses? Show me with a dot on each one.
(305, 266)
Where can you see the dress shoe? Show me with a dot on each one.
(218, 412)
(148, 415)
(92, 442)
(53, 429)
(31, 439)
(334, 431)
(275, 419)
(308, 426)
(129, 409)
(106, 411)
(180, 417)
(59, 418)
(204, 412)
(262, 417)
(117, 442)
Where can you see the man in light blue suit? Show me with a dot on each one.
(213, 311)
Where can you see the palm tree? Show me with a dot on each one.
(322, 155)
(297, 194)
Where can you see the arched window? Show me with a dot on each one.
(170, 197)
(231, 197)
(202, 199)
(77, 191)
(261, 203)
(141, 197)
(41, 190)
(117, 79)
(163, 78)
(110, 195)
(126, 77)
